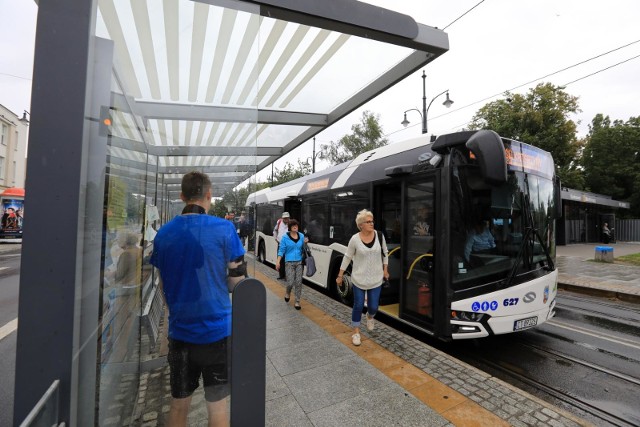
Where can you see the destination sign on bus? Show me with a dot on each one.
(319, 184)
(528, 159)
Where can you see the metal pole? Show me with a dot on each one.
(313, 161)
(424, 102)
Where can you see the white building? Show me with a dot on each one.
(13, 149)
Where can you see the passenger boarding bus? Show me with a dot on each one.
(430, 200)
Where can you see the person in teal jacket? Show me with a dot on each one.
(292, 248)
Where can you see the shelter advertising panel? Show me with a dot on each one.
(12, 211)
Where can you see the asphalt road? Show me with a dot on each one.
(9, 285)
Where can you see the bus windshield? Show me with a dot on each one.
(500, 235)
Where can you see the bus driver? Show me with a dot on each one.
(480, 240)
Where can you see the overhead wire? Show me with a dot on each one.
(454, 21)
(599, 71)
(13, 75)
(544, 77)
(531, 81)
(549, 75)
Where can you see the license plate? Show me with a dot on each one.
(525, 323)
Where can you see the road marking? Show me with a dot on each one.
(3, 268)
(8, 328)
(621, 341)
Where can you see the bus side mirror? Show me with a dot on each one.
(488, 148)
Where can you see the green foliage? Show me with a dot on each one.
(365, 136)
(238, 198)
(633, 259)
(218, 209)
(290, 172)
(540, 118)
(611, 159)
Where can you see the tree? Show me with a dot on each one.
(365, 136)
(218, 209)
(540, 118)
(290, 172)
(611, 159)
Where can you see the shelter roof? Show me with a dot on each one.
(227, 86)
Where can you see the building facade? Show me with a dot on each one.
(13, 148)
(583, 215)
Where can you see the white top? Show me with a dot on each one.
(367, 272)
(280, 230)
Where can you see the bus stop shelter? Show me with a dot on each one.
(127, 97)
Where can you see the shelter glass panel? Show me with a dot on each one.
(169, 94)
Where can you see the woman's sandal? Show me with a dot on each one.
(286, 298)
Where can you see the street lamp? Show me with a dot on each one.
(24, 117)
(313, 156)
(425, 109)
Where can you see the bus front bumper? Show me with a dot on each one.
(501, 325)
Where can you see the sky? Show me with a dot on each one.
(498, 45)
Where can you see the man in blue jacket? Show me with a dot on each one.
(200, 259)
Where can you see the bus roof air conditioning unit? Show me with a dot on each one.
(398, 170)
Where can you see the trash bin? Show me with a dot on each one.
(604, 254)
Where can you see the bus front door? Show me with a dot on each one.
(418, 250)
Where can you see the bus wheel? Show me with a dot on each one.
(262, 253)
(344, 291)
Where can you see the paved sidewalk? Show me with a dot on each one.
(333, 383)
(579, 272)
(316, 377)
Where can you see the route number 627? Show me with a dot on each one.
(510, 301)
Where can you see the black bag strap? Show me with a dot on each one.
(380, 241)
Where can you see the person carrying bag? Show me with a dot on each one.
(309, 262)
(368, 251)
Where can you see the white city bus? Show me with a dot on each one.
(438, 283)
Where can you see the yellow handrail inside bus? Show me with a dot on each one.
(414, 263)
(393, 250)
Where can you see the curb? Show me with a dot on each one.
(606, 293)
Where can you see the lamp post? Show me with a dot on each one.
(425, 109)
(313, 157)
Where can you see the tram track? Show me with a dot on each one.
(588, 387)
(612, 312)
(593, 366)
(556, 393)
(515, 375)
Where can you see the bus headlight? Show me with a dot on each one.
(467, 316)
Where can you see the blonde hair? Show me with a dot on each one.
(362, 217)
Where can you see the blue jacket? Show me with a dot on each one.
(291, 250)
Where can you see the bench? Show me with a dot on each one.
(152, 313)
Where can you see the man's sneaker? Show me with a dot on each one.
(355, 339)
(370, 324)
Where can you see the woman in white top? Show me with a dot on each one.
(370, 261)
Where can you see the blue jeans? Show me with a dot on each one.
(373, 299)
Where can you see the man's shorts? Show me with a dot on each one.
(187, 362)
